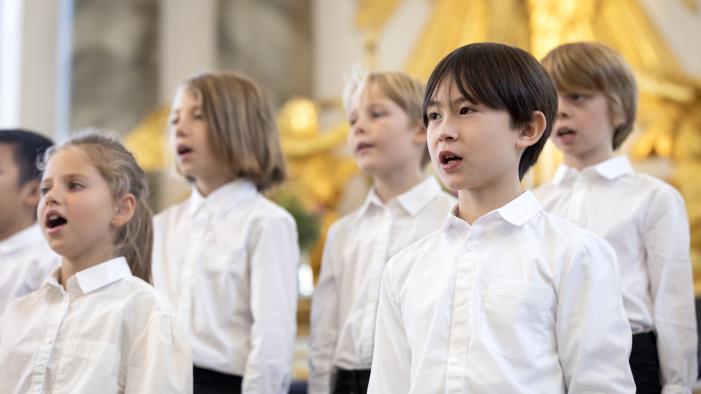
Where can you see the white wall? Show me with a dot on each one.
(28, 64)
(680, 28)
(188, 42)
(338, 45)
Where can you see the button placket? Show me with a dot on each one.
(43, 355)
(374, 283)
(461, 324)
(191, 259)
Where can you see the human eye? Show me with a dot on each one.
(75, 185)
(432, 116)
(377, 113)
(174, 119)
(465, 110)
(198, 115)
(44, 189)
(577, 97)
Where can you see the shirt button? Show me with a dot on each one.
(454, 361)
(470, 246)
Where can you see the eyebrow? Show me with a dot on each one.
(454, 103)
(68, 176)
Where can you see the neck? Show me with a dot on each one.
(397, 182)
(18, 224)
(74, 264)
(207, 186)
(590, 158)
(475, 203)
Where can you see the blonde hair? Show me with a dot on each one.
(590, 66)
(402, 89)
(118, 167)
(242, 129)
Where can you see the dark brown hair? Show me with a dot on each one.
(28, 147)
(500, 77)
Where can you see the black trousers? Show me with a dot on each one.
(353, 381)
(645, 363)
(206, 381)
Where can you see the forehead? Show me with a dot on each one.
(447, 90)
(70, 160)
(370, 94)
(7, 153)
(187, 96)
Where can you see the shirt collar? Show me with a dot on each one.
(610, 169)
(521, 209)
(95, 277)
(412, 201)
(223, 199)
(517, 212)
(614, 167)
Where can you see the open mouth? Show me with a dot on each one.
(182, 150)
(363, 146)
(449, 159)
(55, 220)
(564, 131)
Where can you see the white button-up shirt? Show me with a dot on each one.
(344, 305)
(228, 262)
(521, 301)
(25, 262)
(645, 221)
(107, 332)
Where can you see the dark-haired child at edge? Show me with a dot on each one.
(25, 257)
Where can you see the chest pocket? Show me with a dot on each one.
(519, 318)
(89, 367)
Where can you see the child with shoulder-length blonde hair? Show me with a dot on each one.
(227, 257)
(96, 325)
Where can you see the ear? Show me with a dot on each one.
(30, 193)
(617, 119)
(124, 209)
(531, 131)
(418, 132)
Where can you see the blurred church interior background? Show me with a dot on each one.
(71, 64)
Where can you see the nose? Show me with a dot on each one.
(563, 109)
(446, 131)
(50, 197)
(178, 129)
(358, 127)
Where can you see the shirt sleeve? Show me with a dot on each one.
(593, 334)
(160, 361)
(666, 237)
(273, 263)
(391, 365)
(324, 321)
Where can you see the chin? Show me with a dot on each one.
(452, 182)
